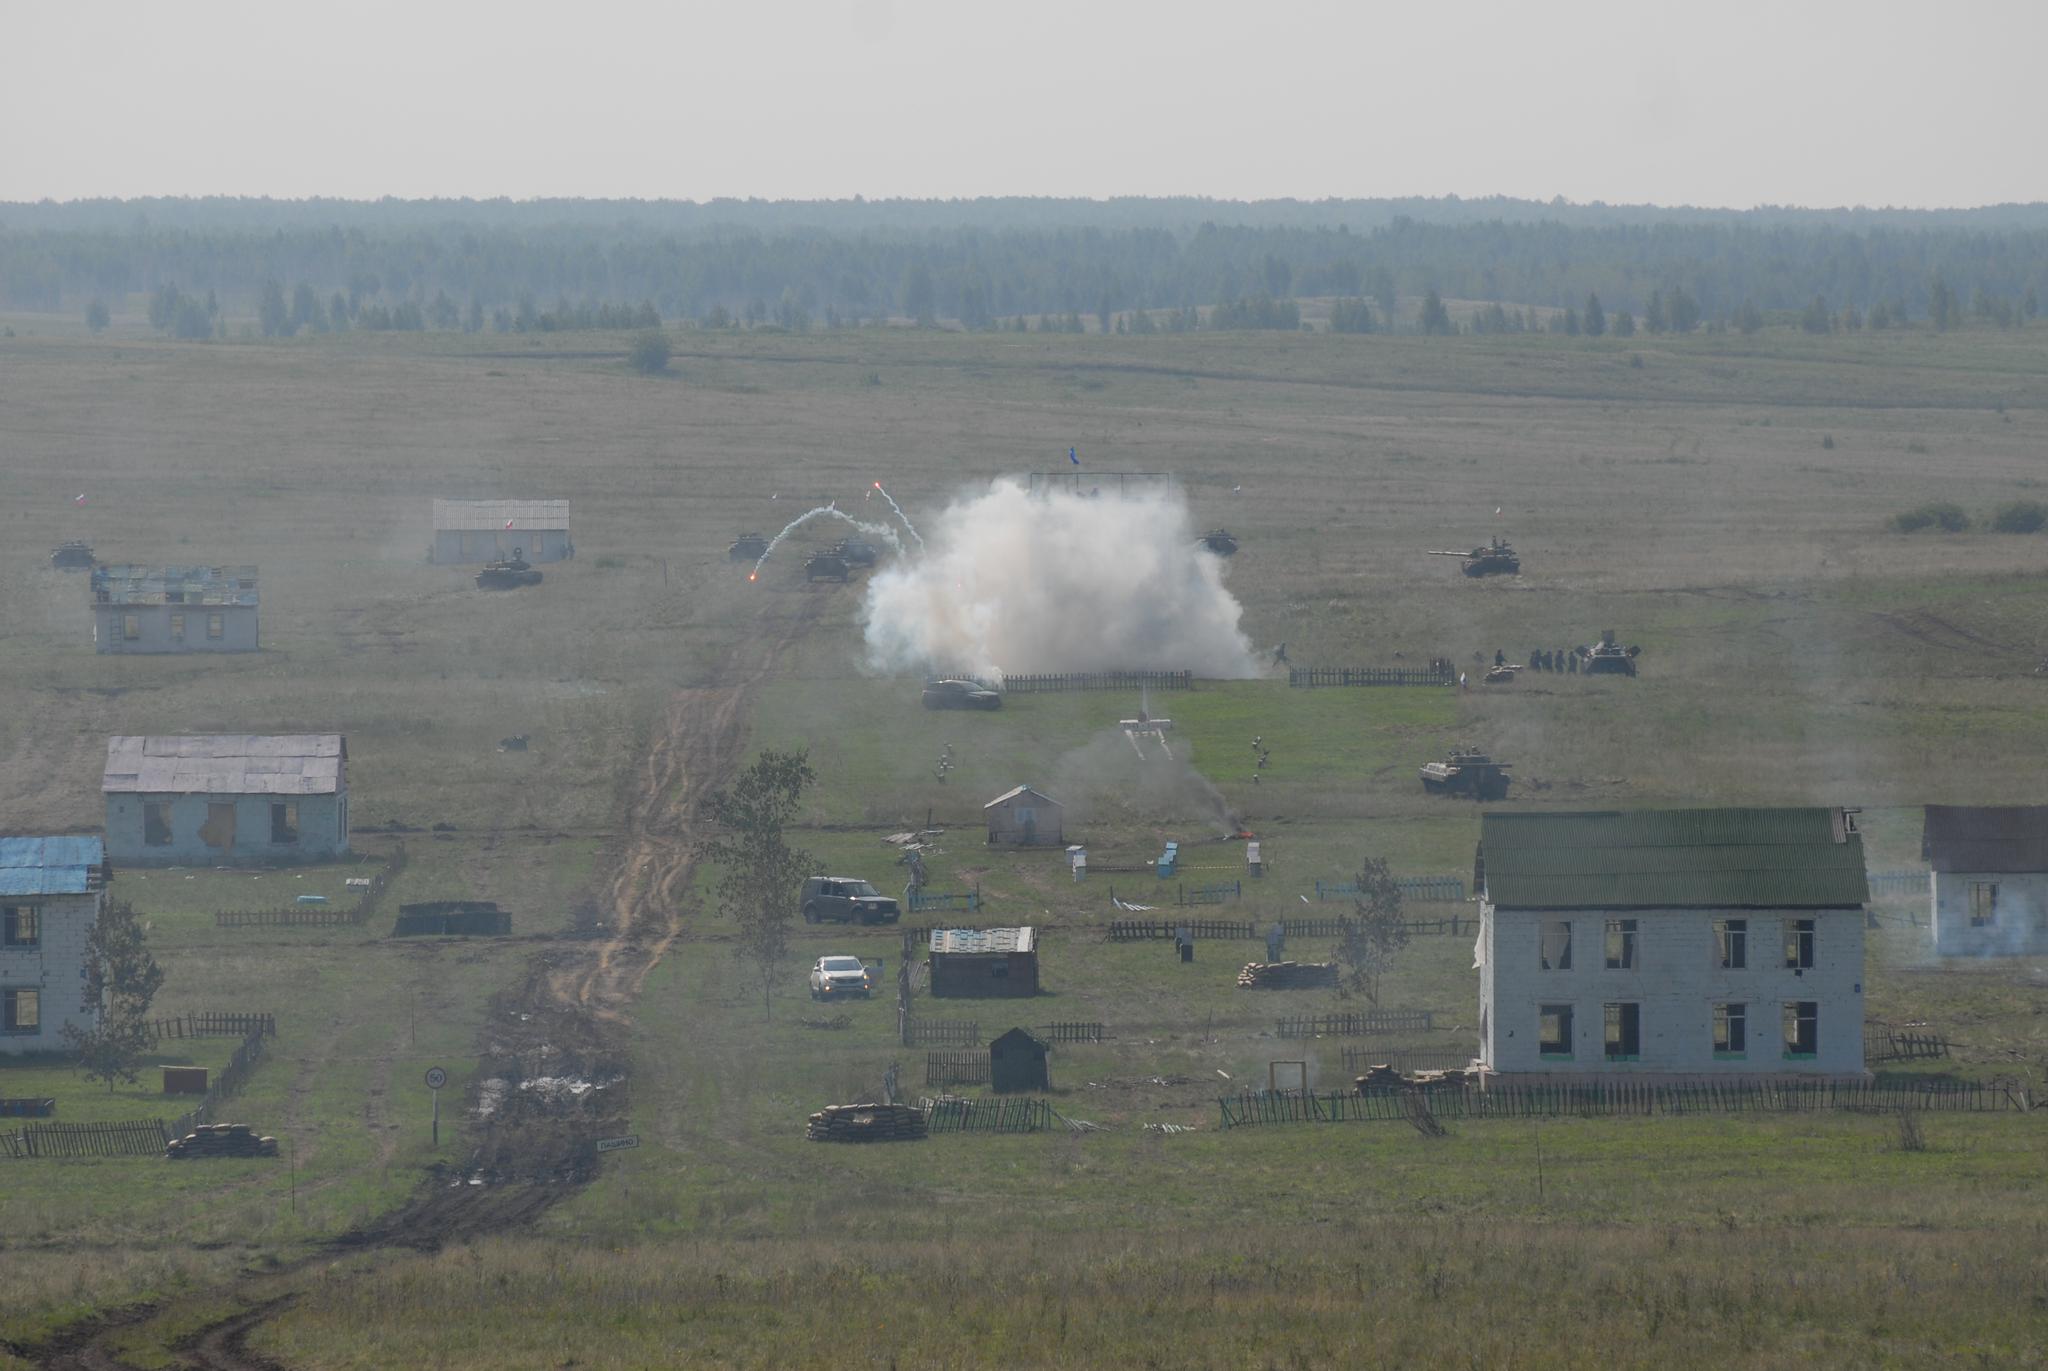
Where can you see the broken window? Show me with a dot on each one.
(1802, 1028)
(1731, 943)
(156, 823)
(219, 829)
(21, 1011)
(1624, 1031)
(284, 821)
(131, 627)
(1557, 945)
(1554, 1030)
(1731, 1029)
(1983, 904)
(20, 926)
(1621, 944)
(216, 625)
(1798, 944)
(177, 628)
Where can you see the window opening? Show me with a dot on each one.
(1621, 944)
(1557, 945)
(1624, 1031)
(20, 926)
(1802, 1028)
(284, 821)
(1554, 1031)
(1731, 1029)
(1731, 943)
(21, 1011)
(156, 823)
(1798, 944)
(1983, 904)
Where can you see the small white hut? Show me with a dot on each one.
(1024, 817)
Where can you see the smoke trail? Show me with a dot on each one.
(901, 515)
(882, 531)
(1058, 582)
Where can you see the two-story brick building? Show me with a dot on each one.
(1670, 943)
(52, 891)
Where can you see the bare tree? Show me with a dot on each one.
(759, 874)
(1376, 932)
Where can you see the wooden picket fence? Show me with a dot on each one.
(1309, 677)
(227, 1023)
(1098, 680)
(1882, 1043)
(988, 1116)
(1071, 1032)
(1142, 930)
(943, 1069)
(132, 1138)
(1419, 889)
(942, 1033)
(1359, 1024)
(319, 916)
(1451, 926)
(1609, 1098)
(226, 1084)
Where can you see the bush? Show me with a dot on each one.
(1936, 514)
(650, 353)
(2020, 516)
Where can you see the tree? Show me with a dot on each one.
(1435, 319)
(1624, 325)
(760, 876)
(1816, 319)
(920, 301)
(337, 312)
(1653, 313)
(650, 353)
(1351, 316)
(273, 315)
(96, 316)
(1569, 325)
(1682, 311)
(1375, 934)
(1941, 303)
(121, 979)
(1749, 318)
(443, 313)
(1596, 317)
(1383, 290)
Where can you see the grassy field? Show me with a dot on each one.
(1720, 500)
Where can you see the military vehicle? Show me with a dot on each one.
(72, 556)
(825, 565)
(854, 552)
(951, 693)
(509, 574)
(1468, 773)
(1495, 559)
(748, 547)
(1611, 658)
(1219, 541)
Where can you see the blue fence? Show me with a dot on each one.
(1421, 889)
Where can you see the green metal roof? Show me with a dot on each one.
(1716, 858)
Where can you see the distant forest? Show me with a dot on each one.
(993, 263)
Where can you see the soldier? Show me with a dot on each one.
(1499, 658)
(1574, 660)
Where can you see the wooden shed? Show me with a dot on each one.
(1017, 1061)
(984, 963)
(1024, 817)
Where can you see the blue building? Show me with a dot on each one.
(51, 893)
(225, 799)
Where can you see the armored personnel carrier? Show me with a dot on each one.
(1468, 773)
(853, 552)
(510, 574)
(1495, 559)
(1611, 658)
(748, 547)
(72, 556)
(1220, 541)
(825, 565)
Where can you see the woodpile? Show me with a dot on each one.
(220, 1140)
(866, 1123)
(1385, 1078)
(1287, 976)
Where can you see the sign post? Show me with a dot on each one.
(436, 1078)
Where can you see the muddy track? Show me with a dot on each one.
(568, 1018)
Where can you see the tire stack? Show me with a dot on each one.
(1287, 976)
(867, 1123)
(220, 1140)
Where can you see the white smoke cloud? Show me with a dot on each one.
(1016, 582)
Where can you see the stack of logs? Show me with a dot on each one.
(1287, 976)
(220, 1140)
(1383, 1078)
(866, 1123)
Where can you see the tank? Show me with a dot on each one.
(509, 574)
(1610, 658)
(853, 552)
(1219, 541)
(1497, 558)
(1468, 773)
(748, 547)
(72, 556)
(825, 566)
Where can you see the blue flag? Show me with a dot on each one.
(1074, 456)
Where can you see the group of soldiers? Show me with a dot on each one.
(1563, 659)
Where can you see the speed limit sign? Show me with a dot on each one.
(436, 1078)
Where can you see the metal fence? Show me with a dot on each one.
(1360, 1024)
(1436, 674)
(1098, 680)
(132, 1138)
(942, 1069)
(988, 1116)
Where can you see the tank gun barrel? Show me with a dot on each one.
(1441, 552)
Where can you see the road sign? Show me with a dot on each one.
(618, 1144)
(436, 1078)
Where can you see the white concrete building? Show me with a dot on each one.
(226, 799)
(1990, 892)
(52, 891)
(174, 609)
(1672, 943)
(494, 530)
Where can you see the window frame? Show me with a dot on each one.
(1543, 958)
(10, 1010)
(284, 819)
(1731, 1030)
(12, 917)
(131, 628)
(162, 810)
(1627, 931)
(1984, 915)
(1616, 1028)
(1795, 1014)
(1801, 936)
(1563, 1014)
(1731, 944)
(216, 626)
(178, 627)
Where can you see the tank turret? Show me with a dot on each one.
(1497, 558)
(509, 574)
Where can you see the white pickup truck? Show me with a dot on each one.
(838, 978)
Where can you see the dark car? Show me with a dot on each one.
(960, 695)
(845, 900)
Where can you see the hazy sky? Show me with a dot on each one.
(1725, 103)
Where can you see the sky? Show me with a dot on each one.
(1733, 103)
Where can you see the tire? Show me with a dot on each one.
(810, 913)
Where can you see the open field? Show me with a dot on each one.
(1794, 652)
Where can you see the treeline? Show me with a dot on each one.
(394, 266)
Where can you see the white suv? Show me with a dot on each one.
(840, 977)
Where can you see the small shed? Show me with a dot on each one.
(984, 963)
(1017, 1061)
(1024, 817)
(493, 530)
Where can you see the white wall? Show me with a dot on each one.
(1676, 980)
(54, 968)
(2019, 925)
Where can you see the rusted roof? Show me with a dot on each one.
(970, 940)
(465, 515)
(1676, 858)
(174, 585)
(1985, 837)
(51, 866)
(1021, 790)
(226, 764)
